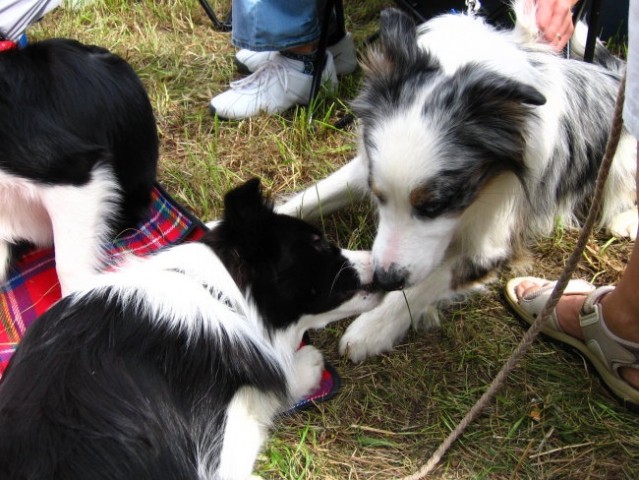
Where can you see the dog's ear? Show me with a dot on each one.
(506, 89)
(238, 239)
(244, 206)
(531, 95)
(492, 111)
(486, 90)
(398, 34)
(519, 92)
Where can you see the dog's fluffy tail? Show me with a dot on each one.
(602, 55)
(527, 31)
(526, 28)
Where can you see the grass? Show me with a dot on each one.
(552, 420)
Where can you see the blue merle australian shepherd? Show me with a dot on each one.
(473, 140)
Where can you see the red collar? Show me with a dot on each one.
(7, 45)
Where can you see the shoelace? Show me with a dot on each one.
(261, 76)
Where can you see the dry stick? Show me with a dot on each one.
(537, 325)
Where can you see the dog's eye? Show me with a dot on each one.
(429, 209)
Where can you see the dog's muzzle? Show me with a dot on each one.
(394, 278)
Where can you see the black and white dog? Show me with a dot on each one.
(174, 366)
(473, 140)
(78, 153)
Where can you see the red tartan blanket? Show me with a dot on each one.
(32, 286)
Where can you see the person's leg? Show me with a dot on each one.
(258, 42)
(275, 25)
(284, 79)
(621, 306)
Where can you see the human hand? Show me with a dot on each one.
(554, 19)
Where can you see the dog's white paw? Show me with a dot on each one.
(625, 224)
(429, 320)
(212, 224)
(309, 366)
(373, 333)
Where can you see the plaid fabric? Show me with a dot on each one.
(33, 285)
(328, 388)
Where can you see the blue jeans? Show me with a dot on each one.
(273, 25)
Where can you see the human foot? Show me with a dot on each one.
(343, 52)
(612, 345)
(275, 87)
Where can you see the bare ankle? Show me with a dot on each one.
(304, 49)
(620, 316)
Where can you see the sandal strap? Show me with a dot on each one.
(613, 351)
(594, 298)
(535, 301)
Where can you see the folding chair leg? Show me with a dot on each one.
(222, 26)
(320, 62)
(593, 28)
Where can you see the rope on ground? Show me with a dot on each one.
(535, 328)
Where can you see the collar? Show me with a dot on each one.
(7, 45)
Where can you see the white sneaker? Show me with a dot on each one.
(275, 87)
(344, 57)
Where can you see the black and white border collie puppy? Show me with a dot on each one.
(78, 153)
(473, 140)
(174, 366)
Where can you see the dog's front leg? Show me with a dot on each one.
(79, 218)
(382, 328)
(248, 419)
(348, 184)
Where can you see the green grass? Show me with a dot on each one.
(552, 420)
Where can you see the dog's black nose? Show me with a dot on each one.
(392, 279)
